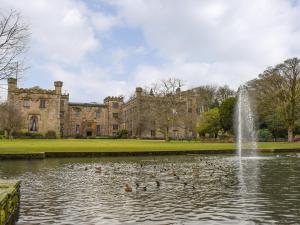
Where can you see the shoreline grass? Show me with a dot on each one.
(27, 146)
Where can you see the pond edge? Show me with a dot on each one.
(43, 155)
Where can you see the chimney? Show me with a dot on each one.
(58, 85)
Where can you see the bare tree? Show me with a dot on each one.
(14, 35)
(11, 119)
(205, 96)
(165, 107)
(223, 93)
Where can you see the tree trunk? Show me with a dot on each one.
(167, 138)
(291, 133)
(6, 134)
(10, 134)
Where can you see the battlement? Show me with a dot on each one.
(12, 80)
(113, 99)
(35, 90)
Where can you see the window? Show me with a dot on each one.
(62, 103)
(61, 114)
(116, 115)
(62, 129)
(152, 133)
(77, 128)
(26, 103)
(33, 124)
(115, 105)
(77, 113)
(42, 103)
(115, 126)
(189, 105)
(98, 114)
(98, 129)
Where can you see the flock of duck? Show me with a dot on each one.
(171, 172)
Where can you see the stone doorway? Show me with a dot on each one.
(89, 133)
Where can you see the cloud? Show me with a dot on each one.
(100, 51)
(63, 31)
(216, 41)
(89, 84)
(193, 74)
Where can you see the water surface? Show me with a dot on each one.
(193, 190)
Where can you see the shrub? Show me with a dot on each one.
(122, 134)
(36, 135)
(264, 134)
(27, 135)
(51, 134)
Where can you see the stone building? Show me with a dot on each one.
(137, 119)
(50, 110)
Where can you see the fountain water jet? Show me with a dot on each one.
(246, 132)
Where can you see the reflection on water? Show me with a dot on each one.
(193, 190)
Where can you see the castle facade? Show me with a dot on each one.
(50, 110)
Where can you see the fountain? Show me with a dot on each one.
(246, 133)
(246, 146)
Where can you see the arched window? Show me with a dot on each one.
(33, 123)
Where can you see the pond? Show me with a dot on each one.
(165, 190)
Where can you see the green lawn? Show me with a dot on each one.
(92, 145)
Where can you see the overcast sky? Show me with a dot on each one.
(108, 47)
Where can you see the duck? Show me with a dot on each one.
(173, 173)
(128, 188)
(152, 175)
(71, 167)
(98, 169)
(157, 183)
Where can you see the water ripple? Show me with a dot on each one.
(192, 190)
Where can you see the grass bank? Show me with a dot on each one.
(29, 146)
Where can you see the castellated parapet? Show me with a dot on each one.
(114, 98)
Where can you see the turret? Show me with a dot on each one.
(58, 85)
(138, 92)
(12, 84)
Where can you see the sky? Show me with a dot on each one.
(102, 48)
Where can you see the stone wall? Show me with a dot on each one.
(87, 120)
(9, 202)
(40, 108)
(114, 105)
